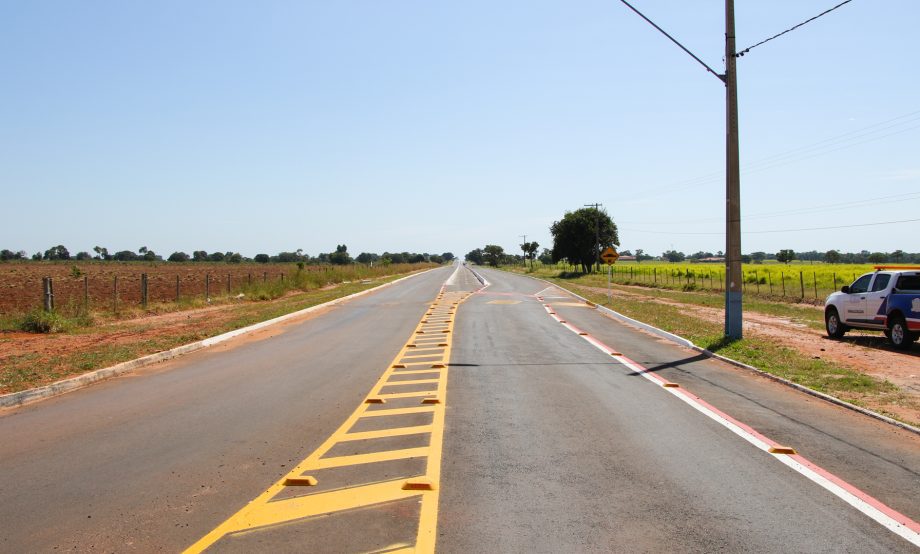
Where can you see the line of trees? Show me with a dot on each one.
(338, 257)
(788, 255)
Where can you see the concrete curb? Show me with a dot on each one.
(684, 342)
(67, 385)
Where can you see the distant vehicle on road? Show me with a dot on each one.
(886, 300)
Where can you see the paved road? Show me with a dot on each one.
(536, 440)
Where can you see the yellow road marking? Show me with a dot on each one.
(505, 302)
(383, 433)
(266, 511)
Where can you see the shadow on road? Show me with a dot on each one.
(674, 364)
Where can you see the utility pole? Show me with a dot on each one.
(596, 264)
(525, 251)
(733, 282)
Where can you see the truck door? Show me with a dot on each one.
(876, 298)
(856, 300)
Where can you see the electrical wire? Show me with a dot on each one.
(825, 12)
(808, 151)
(862, 203)
(779, 230)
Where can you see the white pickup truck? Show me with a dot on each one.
(887, 300)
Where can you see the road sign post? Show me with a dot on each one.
(610, 257)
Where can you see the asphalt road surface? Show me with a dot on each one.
(438, 414)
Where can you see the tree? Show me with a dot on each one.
(125, 256)
(340, 256)
(575, 236)
(6, 255)
(476, 256)
(142, 250)
(897, 256)
(262, 258)
(178, 257)
(235, 258)
(878, 257)
(366, 258)
(101, 253)
(832, 257)
(785, 256)
(674, 256)
(546, 257)
(217, 257)
(639, 253)
(83, 256)
(199, 256)
(758, 257)
(448, 256)
(58, 252)
(492, 254)
(530, 250)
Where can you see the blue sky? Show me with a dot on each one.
(436, 126)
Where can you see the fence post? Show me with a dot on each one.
(249, 277)
(835, 281)
(228, 283)
(782, 277)
(48, 290)
(207, 287)
(814, 276)
(115, 296)
(655, 274)
(757, 281)
(144, 290)
(264, 276)
(177, 289)
(770, 280)
(85, 293)
(802, 284)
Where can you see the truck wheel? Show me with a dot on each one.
(835, 329)
(901, 337)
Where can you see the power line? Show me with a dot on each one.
(674, 40)
(780, 230)
(819, 148)
(862, 203)
(825, 12)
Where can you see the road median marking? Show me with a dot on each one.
(273, 507)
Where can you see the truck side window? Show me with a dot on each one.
(881, 282)
(908, 282)
(861, 284)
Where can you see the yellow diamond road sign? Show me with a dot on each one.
(610, 256)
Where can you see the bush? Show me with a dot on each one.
(40, 321)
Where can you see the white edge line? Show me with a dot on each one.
(58, 388)
(856, 502)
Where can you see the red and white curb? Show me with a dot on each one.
(892, 520)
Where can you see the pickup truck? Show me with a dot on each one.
(886, 300)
